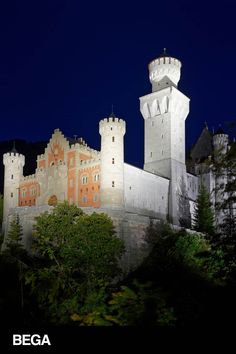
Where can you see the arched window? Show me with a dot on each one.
(113, 161)
(84, 179)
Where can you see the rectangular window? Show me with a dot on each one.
(113, 139)
(11, 176)
(11, 195)
(95, 198)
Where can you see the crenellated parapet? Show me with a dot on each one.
(11, 157)
(84, 148)
(164, 66)
(112, 124)
(29, 178)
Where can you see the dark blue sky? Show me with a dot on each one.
(63, 63)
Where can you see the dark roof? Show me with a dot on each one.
(203, 146)
(14, 148)
(219, 131)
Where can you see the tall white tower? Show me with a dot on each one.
(164, 112)
(112, 131)
(14, 163)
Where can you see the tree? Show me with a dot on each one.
(203, 213)
(76, 258)
(14, 247)
(13, 260)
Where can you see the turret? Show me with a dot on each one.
(220, 143)
(164, 71)
(112, 131)
(13, 163)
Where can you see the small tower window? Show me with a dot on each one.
(113, 139)
(11, 176)
(11, 195)
(151, 154)
(162, 152)
(113, 184)
(152, 123)
(113, 161)
(162, 136)
(111, 128)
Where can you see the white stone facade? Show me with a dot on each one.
(101, 180)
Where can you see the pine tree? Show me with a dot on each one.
(15, 232)
(203, 213)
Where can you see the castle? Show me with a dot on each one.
(101, 180)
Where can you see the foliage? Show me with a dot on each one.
(225, 166)
(13, 244)
(203, 214)
(137, 304)
(76, 258)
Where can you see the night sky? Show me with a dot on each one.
(64, 63)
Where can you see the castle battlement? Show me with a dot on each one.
(13, 156)
(164, 67)
(28, 178)
(41, 157)
(84, 148)
(108, 124)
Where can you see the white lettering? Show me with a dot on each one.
(45, 340)
(17, 339)
(37, 341)
(28, 339)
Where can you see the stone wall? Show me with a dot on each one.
(130, 227)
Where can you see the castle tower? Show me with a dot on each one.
(220, 143)
(164, 112)
(112, 131)
(14, 163)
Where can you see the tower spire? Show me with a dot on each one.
(14, 147)
(112, 115)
